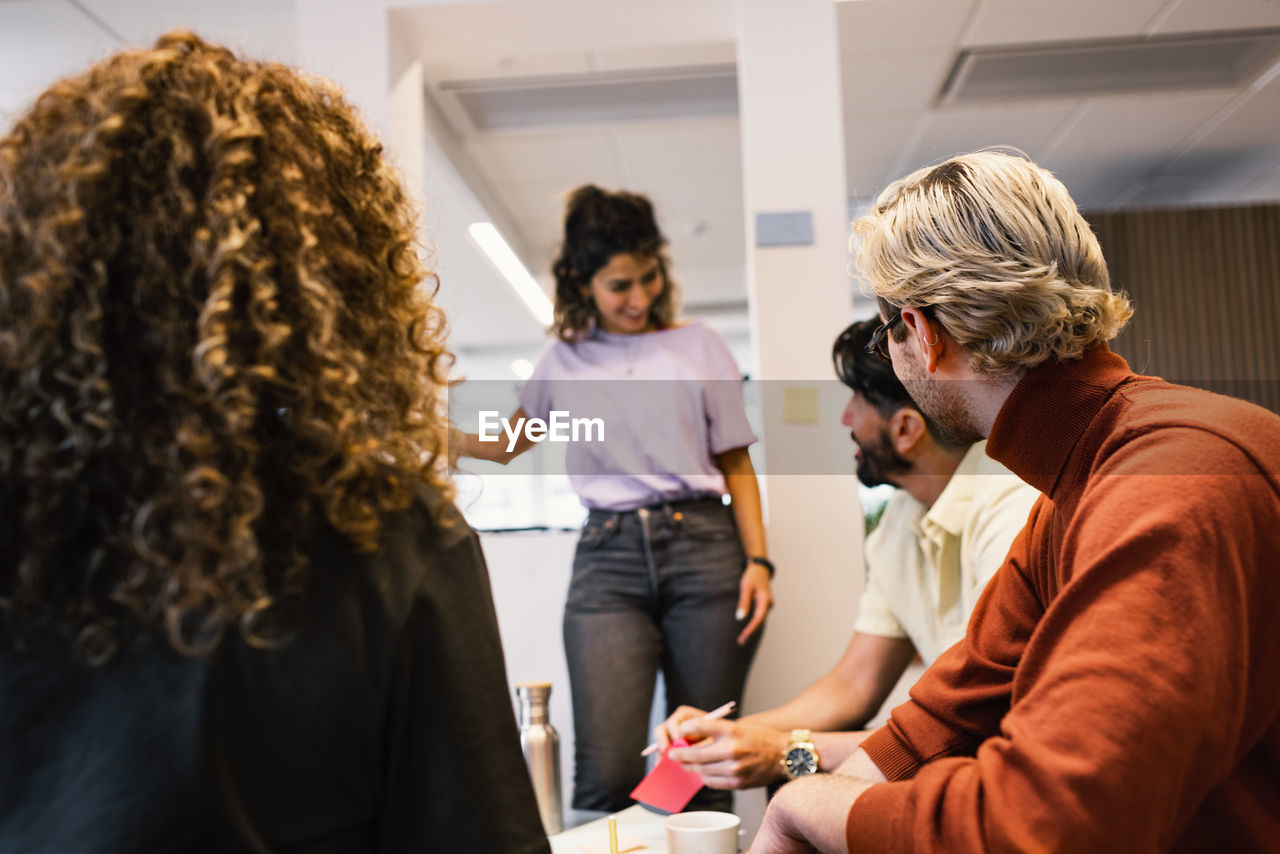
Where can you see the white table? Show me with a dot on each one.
(633, 823)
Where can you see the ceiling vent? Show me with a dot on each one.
(1220, 61)
(591, 98)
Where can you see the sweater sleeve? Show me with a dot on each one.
(1138, 690)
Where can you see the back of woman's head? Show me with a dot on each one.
(213, 338)
(598, 225)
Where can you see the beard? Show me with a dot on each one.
(878, 460)
(944, 401)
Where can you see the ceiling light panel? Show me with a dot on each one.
(592, 98)
(1216, 61)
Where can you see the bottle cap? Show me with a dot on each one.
(533, 690)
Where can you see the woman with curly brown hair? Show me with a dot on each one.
(665, 576)
(238, 609)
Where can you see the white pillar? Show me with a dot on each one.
(793, 163)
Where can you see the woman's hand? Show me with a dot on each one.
(669, 730)
(755, 597)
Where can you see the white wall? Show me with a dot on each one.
(42, 40)
(530, 574)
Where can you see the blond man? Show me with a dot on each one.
(1116, 689)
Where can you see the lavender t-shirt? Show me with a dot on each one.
(668, 400)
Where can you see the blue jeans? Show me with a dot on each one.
(652, 588)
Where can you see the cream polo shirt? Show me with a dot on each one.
(925, 570)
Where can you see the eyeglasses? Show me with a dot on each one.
(878, 346)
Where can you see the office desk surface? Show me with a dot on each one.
(634, 823)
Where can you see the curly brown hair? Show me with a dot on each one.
(216, 334)
(599, 224)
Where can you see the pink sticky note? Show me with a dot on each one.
(668, 786)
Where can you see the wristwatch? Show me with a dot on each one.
(800, 756)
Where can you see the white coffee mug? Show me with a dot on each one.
(703, 833)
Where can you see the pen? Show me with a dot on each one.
(714, 714)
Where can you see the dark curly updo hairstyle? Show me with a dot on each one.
(599, 224)
(216, 336)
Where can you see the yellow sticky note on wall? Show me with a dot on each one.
(799, 405)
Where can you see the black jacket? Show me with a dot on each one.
(384, 725)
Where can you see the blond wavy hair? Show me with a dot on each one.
(993, 246)
(216, 336)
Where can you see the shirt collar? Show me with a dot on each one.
(1048, 411)
(951, 508)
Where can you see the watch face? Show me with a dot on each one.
(801, 761)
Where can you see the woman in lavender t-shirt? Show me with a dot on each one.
(665, 574)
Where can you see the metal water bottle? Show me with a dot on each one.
(541, 745)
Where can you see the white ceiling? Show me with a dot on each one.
(1201, 147)
(1195, 147)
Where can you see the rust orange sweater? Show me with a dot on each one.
(1119, 687)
